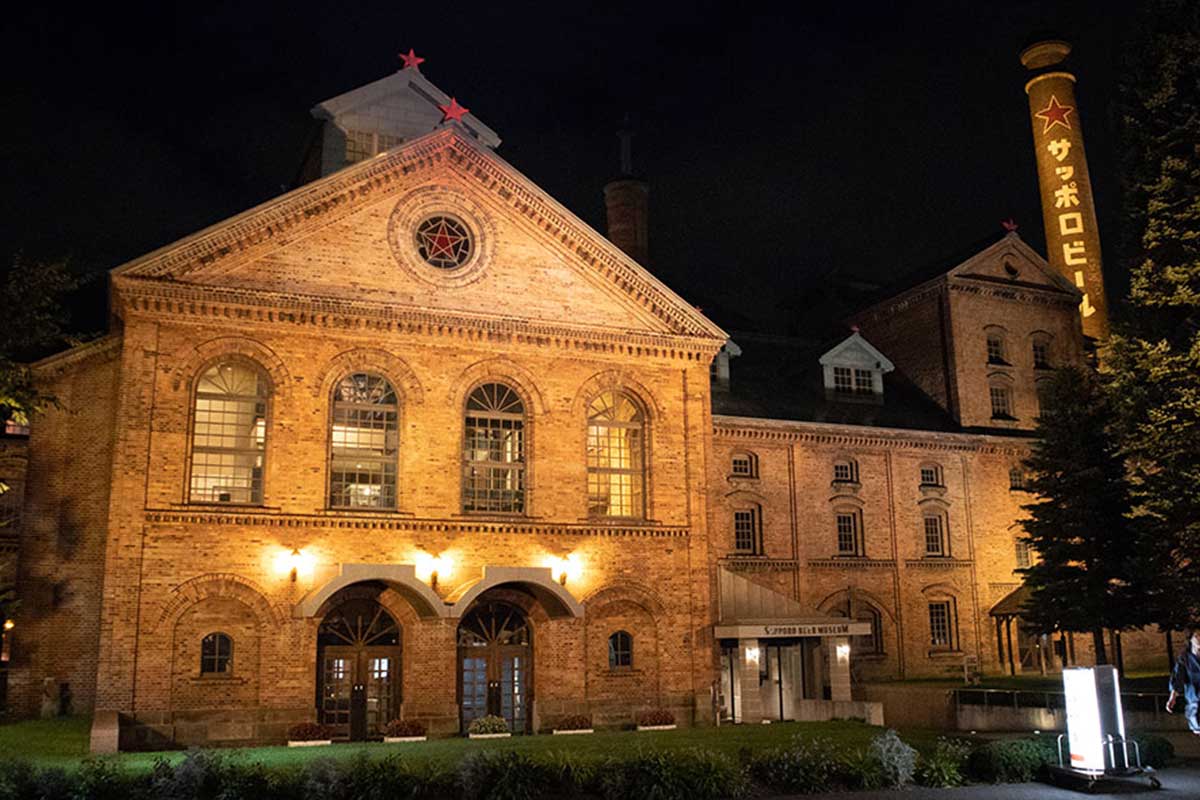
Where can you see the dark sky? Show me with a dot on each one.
(866, 138)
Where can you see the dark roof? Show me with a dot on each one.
(781, 378)
(1012, 604)
(927, 272)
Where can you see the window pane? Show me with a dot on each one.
(939, 624)
(229, 435)
(934, 543)
(620, 650)
(614, 457)
(995, 349)
(742, 465)
(358, 146)
(363, 443)
(494, 451)
(1041, 354)
(843, 471)
(842, 380)
(863, 382)
(745, 531)
(931, 476)
(1001, 405)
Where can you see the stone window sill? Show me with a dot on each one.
(942, 653)
(623, 672)
(218, 680)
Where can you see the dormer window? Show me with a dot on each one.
(854, 371)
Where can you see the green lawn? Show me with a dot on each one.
(64, 743)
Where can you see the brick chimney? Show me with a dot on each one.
(626, 201)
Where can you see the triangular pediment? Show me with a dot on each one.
(1012, 261)
(351, 238)
(856, 351)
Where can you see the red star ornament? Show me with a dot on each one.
(1055, 114)
(411, 60)
(453, 111)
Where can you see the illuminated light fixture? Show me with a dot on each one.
(9, 624)
(294, 563)
(752, 655)
(843, 653)
(564, 569)
(431, 568)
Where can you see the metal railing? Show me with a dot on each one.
(1142, 702)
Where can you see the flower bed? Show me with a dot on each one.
(658, 719)
(308, 734)
(574, 724)
(489, 727)
(404, 730)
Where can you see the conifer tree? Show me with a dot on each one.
(1086, 577)
(1154, 361)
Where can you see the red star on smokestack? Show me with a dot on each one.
(1055, 114)
(411, 60)
(453, 111)
(1009, 224)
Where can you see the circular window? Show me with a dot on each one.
(444, 242)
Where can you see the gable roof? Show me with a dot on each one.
(405, 87)
(856, 344)
(273, 224)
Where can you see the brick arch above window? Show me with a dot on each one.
(372, 361)
(218, 585)
(192, 361)
(619, 381)
(837, 599)
(626, 592)
(498, 370)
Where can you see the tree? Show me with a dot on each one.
(1154, 360)
(1087, 574)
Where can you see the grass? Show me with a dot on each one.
(63, 743)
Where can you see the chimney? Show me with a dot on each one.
(627, 203)
(1068, 210)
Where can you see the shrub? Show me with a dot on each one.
(99, 779)
(572, 775)
(861, 769)
(574, 722)
(16, 780)
(655, 716)
(308, 732)
(943, 768)
(655, 775)
(405, 727)
(502, 775)
(488, 724)
(807, 765)
(897, 761)
(1157, 751)
(1011, 760)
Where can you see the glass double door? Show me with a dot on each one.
(359, 689)
(494, 665)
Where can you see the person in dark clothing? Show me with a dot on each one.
(1185, 682)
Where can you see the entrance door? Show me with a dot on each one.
(359, 669)
(495, 661)
(781, 678)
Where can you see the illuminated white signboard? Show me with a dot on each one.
(1093, 715)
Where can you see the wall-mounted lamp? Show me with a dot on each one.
(752, 655)
(9, 624)
(431, 568)
(564, 569)
(843, 653)
(294, 563)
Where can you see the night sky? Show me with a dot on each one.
(786, 152)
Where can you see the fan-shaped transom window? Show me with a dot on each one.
(444, 242)
(229, 434)
(494, 624)
(620, 650)
(363, 442)
(494, 450)
(216, 654)
(615, 456)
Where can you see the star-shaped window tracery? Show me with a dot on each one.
(443, 242)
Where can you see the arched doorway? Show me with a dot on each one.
(358, 668)
(495, 664)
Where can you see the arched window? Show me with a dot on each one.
(615, 456)
(494, 451)
(997, 346)
(1018, 481)
(216, 654)
(845, 470)
(744, 465)
(229, 434)
(1000, 395)
(363, 443)
(620, 650)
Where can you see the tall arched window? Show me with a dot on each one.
(229, 434)
(363, 441)
(216, 654)
(615, 456)
(620, 650)
(494, 451)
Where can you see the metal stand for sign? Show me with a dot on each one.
(1087, 780)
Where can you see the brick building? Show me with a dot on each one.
(412, 440)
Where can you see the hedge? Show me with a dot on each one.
(804, 766)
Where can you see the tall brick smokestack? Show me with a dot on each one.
(627, 204)
(1068, 210)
